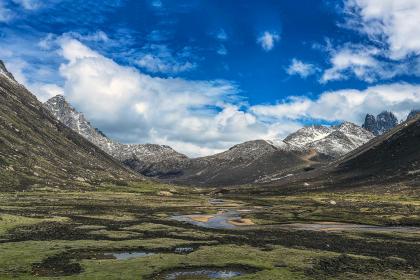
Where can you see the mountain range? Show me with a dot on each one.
(248, 162)
(36, 139)
(387, 162)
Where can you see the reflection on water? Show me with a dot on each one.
(217, 221)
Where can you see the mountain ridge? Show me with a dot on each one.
(146, 159)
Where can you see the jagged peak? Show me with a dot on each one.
(5, 72)
(58, 97)
(413, 113)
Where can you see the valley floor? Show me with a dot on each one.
(75, 235)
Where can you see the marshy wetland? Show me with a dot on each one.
(134, 232)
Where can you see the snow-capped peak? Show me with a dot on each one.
(334, 141)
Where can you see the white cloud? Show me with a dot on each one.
(46, 91)
(366, 63)
(267, 40)
(353, 61)
(300, 68)
(196, 117)
(222, 50)
(222, 35)
(392, 44)
(395, 22)
(160, 59)
(349, 104)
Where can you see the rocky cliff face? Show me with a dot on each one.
(147, 159)
(381, 124)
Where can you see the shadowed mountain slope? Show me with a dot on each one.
(36, 150)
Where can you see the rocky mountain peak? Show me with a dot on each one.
(413, 114)
(308, 134)
(333, 141)
(382, 123)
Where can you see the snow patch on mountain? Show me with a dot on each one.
(334, 141)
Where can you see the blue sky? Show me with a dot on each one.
(204, 75)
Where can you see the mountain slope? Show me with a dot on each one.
(36, 150)
(394, 154)
(147, 159)
(249, 162)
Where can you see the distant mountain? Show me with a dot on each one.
(333, 141)
(381, 124)
(264, 161)
(388, 163)
(244, 163)
(36, 150)
(249, 162)
(147, 159)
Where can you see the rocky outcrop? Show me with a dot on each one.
(413, 114)
(381, 124)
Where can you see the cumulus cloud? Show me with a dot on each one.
(301, 68)
(197, 117)
(366, 63)
(194, 117)
(353, 61)
(395, 22)
(267, 40)
(349, 104)
(46, 91)
(391, 47)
